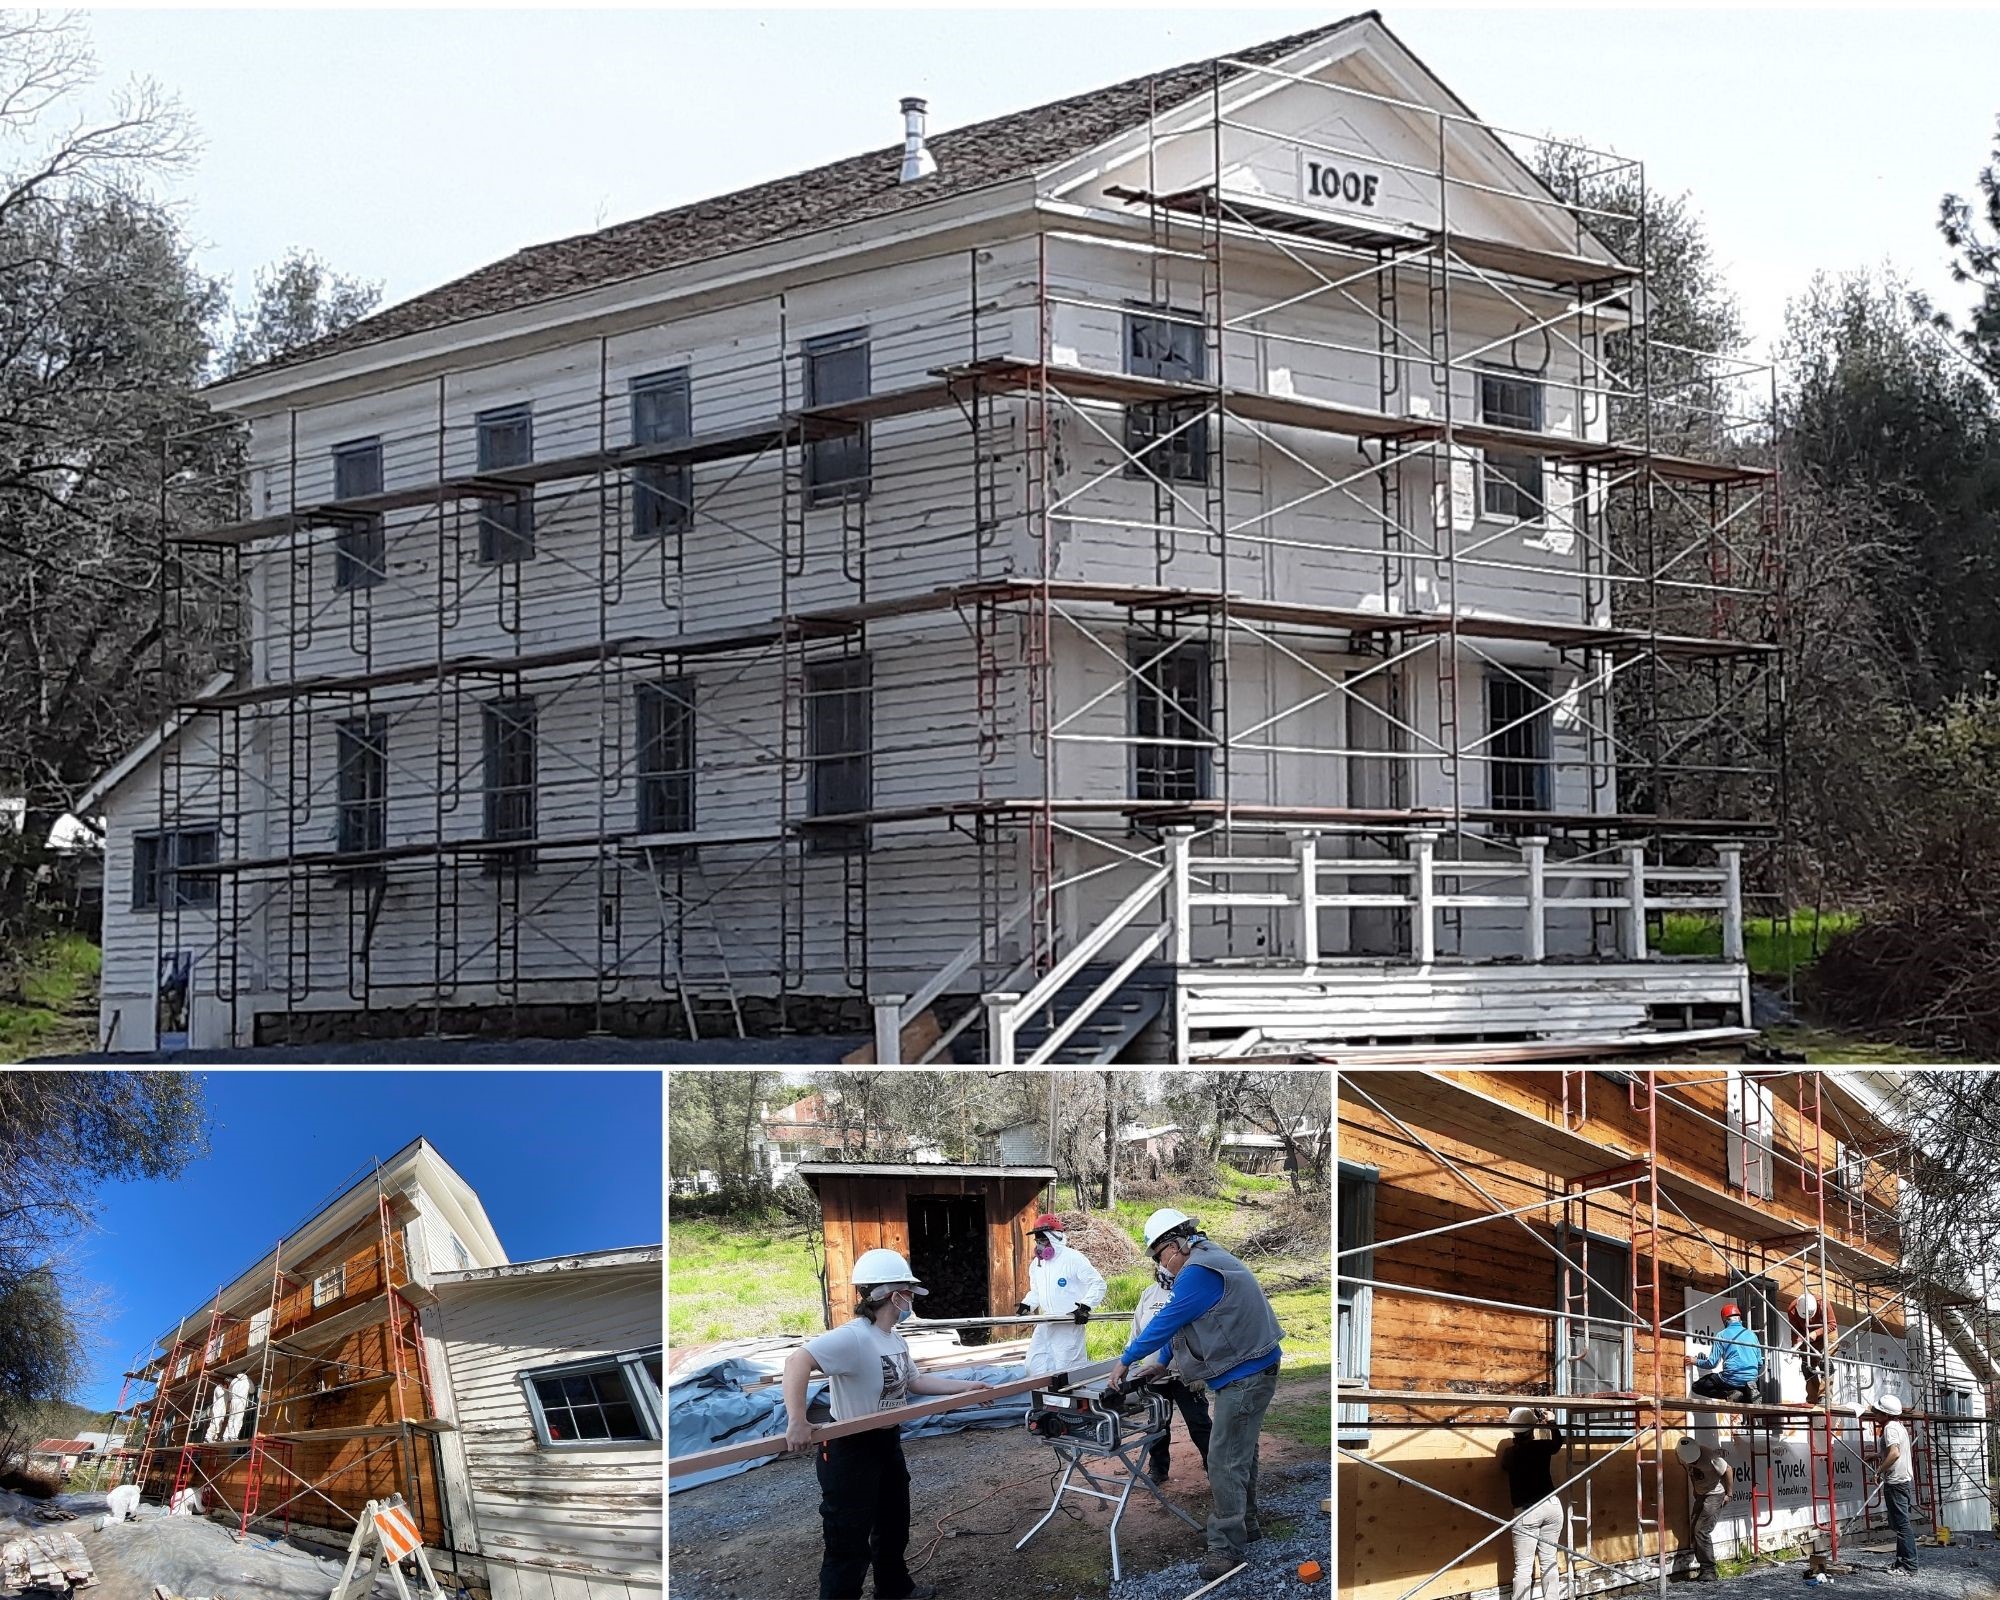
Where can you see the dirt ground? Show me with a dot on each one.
(757, 1536)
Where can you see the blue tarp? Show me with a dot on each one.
(707, 1407)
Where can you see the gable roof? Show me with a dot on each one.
(91, 799)
(860, 188)
(61, 1447)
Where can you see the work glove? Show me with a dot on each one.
(1021, 1310)
(1082, 1313)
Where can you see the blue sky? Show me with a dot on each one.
(563, 1161)
(411, 146)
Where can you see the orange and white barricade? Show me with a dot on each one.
(390, 1532)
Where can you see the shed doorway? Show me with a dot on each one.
(948, 1255)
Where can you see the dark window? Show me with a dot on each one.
(1172, 703)
(1160, 347)
(839, 726)
(362, 816)
(359, 558)
(1511, 482)
(611, 1401)
(666, 756)
(155, 858)
(836, 369)
(1520, 728)
(510, 777)
(1356, 1210)
(506, 526)
(662, 493)
(1594, 1345)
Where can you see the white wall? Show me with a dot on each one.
(578, 1524)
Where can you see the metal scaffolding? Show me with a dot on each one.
(1645, 1205)
(255, 1476)
(1668, 556)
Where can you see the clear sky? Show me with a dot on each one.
(411, 146)
(562, 1161)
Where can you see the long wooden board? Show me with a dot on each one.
(774, 1444)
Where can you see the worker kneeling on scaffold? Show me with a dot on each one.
(1224, 1335)
(1731, 1369)
(863, 1483)
(1061, 1283)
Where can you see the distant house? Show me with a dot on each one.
(811, 1129)
(555, 1380)
(61, 1454)
(1265, 1152)
(1015, 1144)
(1149, 1144)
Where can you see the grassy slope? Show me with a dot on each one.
(53, 1011)
(729, 1280)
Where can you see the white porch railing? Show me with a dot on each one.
(1295, 884)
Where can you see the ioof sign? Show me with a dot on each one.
(1344, 184)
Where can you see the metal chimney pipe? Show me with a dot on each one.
(917, 161)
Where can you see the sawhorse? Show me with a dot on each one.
(388, 1526)
(1130, 1453)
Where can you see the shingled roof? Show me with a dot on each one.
(854, 190)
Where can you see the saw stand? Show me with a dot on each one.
(1129, 1450)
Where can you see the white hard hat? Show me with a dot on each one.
(1163, 1222)
(1806, 1304)
(884, 1266)
(1689, 1450)
(1522, 1417)
(1891, 1404)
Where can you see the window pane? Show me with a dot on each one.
(506, 526)
(1170, 700)
(839, 723)
(836, 369)
(622, 1422)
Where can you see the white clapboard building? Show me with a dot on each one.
(1212, 565)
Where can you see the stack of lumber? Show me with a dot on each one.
(53, 1561)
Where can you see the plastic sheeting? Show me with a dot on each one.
(707, 1405)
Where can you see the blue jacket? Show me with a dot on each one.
(1736, 1354)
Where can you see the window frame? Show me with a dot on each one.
(664, 712)
(360, 544)
(1507, 470)
(506, 526)
(150, 887)
(819, 457)
(366, 737)
(825, 766)
(1155, 710)
(338, 1273)
(1184, 459)
(501, 720)
(662, 493)
(1351, 1420)
(640, 1386)
(1538, 722)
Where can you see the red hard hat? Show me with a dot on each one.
(1052, 1224)
(1729, 1310)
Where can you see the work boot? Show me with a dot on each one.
(1253, 1534)
(1157, 1474)
(1219, 1562)
(922, 1591)
(1706, 1575)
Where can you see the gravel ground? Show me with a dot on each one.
(799, 1050)
(194, 1556)
(1291, 1496)
(1967, 1569)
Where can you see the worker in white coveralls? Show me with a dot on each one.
(1061, 1283)
(1225, 1337)
(864, 1486)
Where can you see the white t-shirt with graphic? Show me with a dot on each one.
(867, 1370)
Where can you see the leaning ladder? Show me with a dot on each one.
(693, 911)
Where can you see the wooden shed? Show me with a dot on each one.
(965, 1231)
